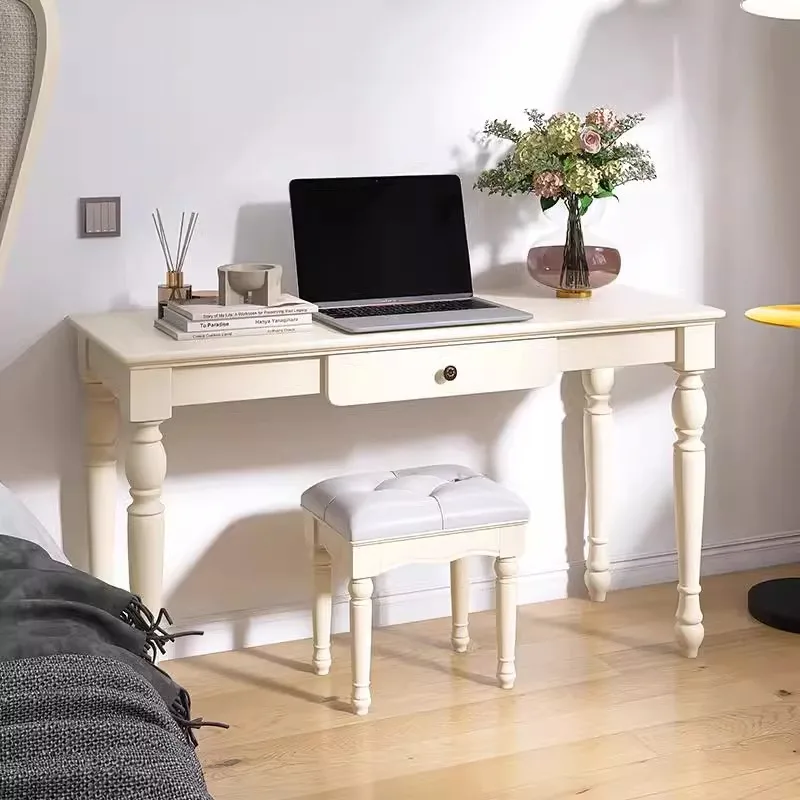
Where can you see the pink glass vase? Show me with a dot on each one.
(572, 259)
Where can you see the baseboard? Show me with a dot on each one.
(253, 628)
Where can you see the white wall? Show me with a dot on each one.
(214, 106)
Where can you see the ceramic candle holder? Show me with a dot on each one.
(259, 284)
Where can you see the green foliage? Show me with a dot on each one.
(502, 130)
(636, 163)
(554, 158)
(537, 119)
(504, 179)
(627, 123)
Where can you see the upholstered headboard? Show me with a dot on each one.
(26, 57)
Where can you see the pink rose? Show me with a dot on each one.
(603, 119)
(591, 141)
(548, 184)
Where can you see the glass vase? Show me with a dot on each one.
(584, 262)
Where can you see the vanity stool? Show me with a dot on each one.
(376, 521)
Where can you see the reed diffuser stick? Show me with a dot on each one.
(180, 237)
(170, 262)
(187, 239)
(185, 236)
(162, 242)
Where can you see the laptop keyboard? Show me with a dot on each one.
(405, 308)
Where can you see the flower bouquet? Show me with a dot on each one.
(567, 158)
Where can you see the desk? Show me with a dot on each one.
(127, 365)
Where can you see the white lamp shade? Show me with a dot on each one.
(779, 9)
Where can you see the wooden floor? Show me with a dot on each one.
(603, 709)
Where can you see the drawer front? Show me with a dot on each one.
(225, 383)
(384, 377)
(617, 350)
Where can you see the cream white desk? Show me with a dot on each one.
(125, 363)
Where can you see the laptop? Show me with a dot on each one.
(387, 253)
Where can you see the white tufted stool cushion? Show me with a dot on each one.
(376, 521)
(412, 502)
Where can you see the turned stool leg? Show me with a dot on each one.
(361, 642)
(321, 614)
(459, 601)
(506, 611)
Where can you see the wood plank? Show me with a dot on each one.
(739, 725)
(667, 774)
(767, 784)
(481, 778)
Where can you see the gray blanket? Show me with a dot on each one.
(85, 714)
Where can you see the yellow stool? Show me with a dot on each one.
(785, 316)
(776, 603)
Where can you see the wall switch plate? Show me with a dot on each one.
(99, 216)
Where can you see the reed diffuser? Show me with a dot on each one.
(175, 288)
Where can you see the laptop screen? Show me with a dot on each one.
(379, 238)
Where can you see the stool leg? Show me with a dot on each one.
(321, 614)
(361, 642)
(459, 601)
(506, 610)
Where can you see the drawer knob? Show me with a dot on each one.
(450, 373)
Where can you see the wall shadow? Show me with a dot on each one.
(491, 220)
(264, 233)
(508, 280)
(39, 375)
(45, 377)
(256, 563)
(627, 57)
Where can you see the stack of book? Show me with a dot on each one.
(189, 321)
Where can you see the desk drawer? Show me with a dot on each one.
(224, 383)
(383, 377)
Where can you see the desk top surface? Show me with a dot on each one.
(131, 338)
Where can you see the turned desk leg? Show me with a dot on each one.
(689, 410)
(597, 433)
(146, 468)
(102, 425)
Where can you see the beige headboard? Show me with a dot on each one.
(27, 51)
